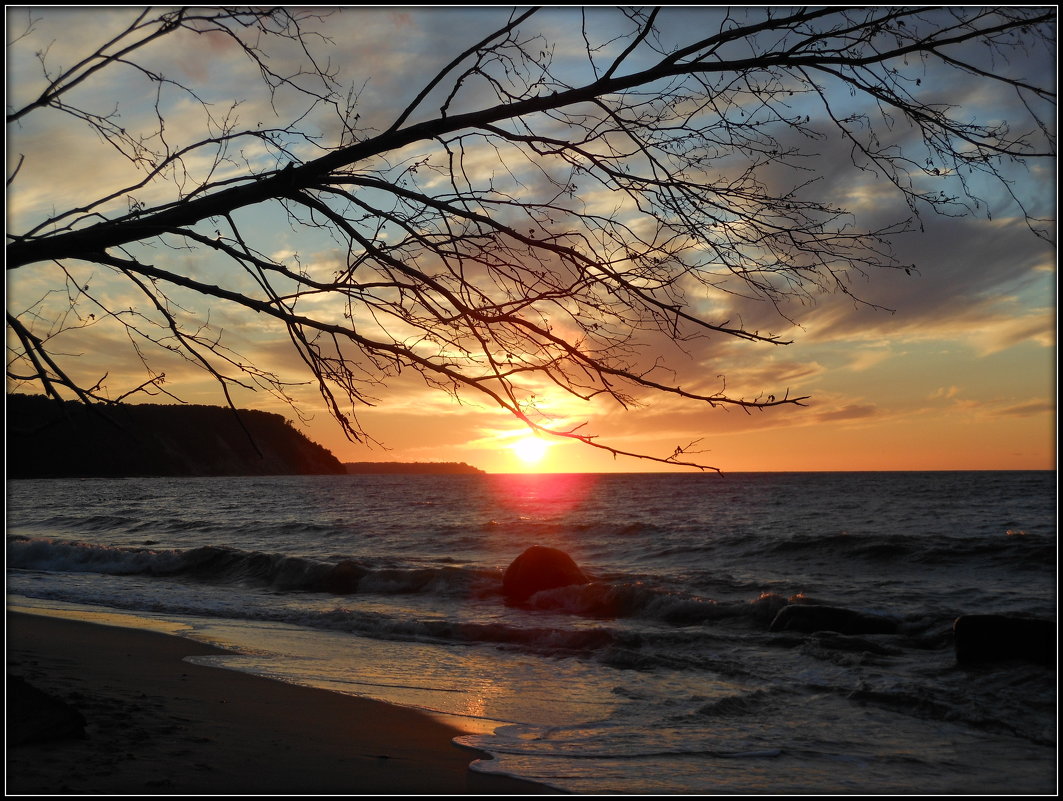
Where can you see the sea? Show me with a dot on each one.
(661, 675)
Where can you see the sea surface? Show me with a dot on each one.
(659, 676)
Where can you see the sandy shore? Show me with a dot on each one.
(160, 726)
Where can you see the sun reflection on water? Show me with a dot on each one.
(543, 496)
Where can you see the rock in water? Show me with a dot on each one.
(996, 638)
(539, 568)
(814, 617)
(343, 578)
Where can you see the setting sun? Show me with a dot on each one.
(530, 449)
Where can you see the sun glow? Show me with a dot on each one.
(530, 449)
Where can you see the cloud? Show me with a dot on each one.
(852, 411)
(1029, 409)
(870, 356)
(969, 273)
(944, 392)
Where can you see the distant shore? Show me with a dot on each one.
(157, 724)
(411, 468)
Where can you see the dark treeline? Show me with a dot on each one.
(52, 439)
(407, 468)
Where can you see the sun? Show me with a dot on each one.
(530, 449)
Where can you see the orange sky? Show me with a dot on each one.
(960, 375)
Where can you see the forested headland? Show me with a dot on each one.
(54, 439)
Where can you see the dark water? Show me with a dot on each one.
(661, 675)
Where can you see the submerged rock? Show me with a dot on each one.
(997, 638)
(767, 605)
(34, 716)
(539, 568)
(832, 640)
(815, 617)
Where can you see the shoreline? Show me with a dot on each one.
(156, 724)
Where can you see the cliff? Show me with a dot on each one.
(47, 439)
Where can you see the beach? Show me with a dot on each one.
(158, 725)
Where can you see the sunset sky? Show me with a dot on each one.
(956, 370)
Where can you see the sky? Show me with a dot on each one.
(951, 367)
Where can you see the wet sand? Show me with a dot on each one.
(156, 725)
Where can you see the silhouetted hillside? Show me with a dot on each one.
(46, 439)
(408, 468)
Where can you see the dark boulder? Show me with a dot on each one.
(997, 638)
(34, 716)
(539, 568)
(343, 579)
(815, 617)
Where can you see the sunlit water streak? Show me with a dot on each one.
(658, 677)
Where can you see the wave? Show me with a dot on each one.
(637, 624)
(633, 600)
(224, 564)
(984, 700)
(24, 553)
(1017, 547)
(615, 598)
